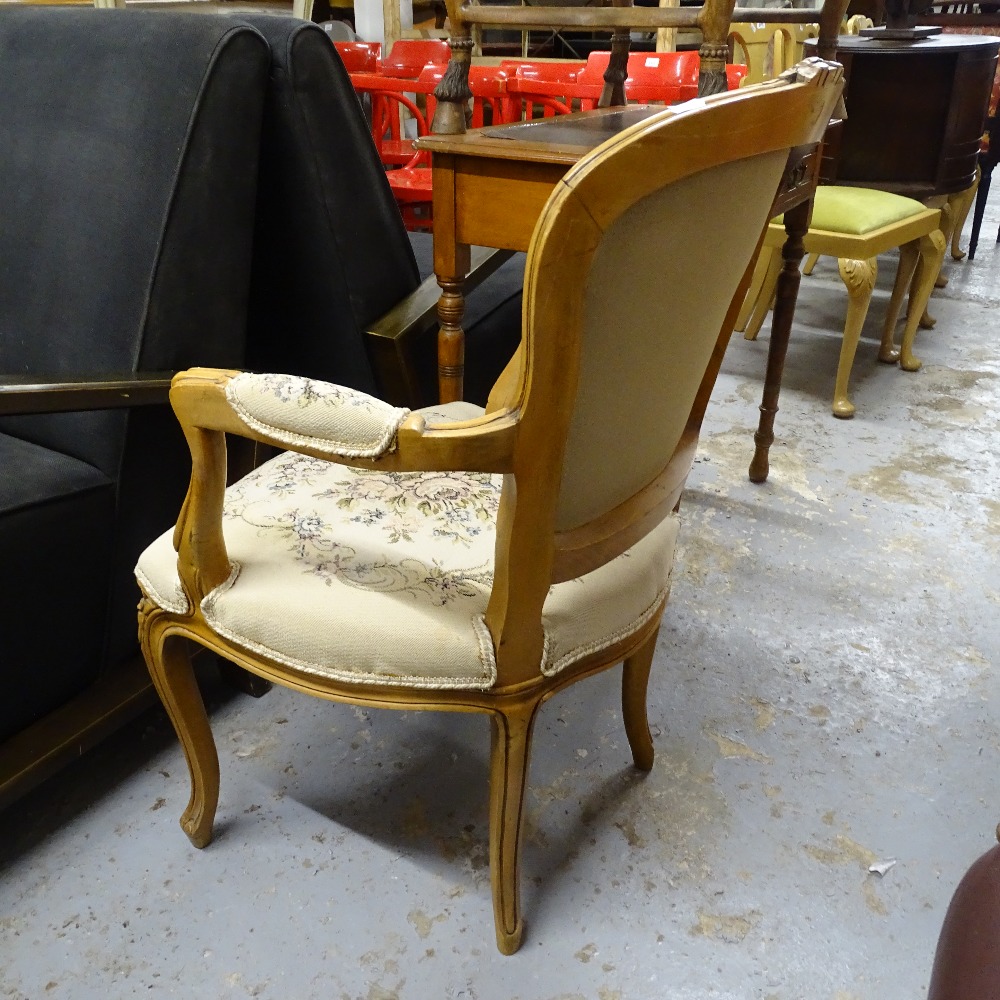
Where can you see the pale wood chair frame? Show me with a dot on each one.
(522, 435)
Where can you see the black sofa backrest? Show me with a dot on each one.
(330, 251)
(129, 143)
(128, 167)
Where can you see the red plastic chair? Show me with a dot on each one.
(411, 184)
(735, 74)
(540, 89)
(408, 57)
(652, 77)
(393, 102)
(359, 57)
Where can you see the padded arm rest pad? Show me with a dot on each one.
(302, 412)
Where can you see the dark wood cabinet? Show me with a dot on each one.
(915, 113)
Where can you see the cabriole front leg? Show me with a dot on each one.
(173, 677)
(930, 256)
(509, 757)
(908, 255)
(635, 683)
(859, 279)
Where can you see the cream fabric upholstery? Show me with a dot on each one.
(329, 418)
(614, 448)
(336, 571)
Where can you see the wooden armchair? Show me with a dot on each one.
(471, 560)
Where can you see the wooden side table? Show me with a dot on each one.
(915, 113)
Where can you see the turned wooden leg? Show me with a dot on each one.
(786, 293)
(859, 278)
(768, 267)
(908, 254)
(982, 194)
(931, 254)
(451, 340)
(509, 757)
(961, 204)
(170, 667)
(810, 263)
(635, 681)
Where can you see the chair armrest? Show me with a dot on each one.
(22, 394)
(203, 407)
(344, 426)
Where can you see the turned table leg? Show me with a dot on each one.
(796, 226)
(451, 340)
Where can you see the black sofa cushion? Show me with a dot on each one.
(56, 523)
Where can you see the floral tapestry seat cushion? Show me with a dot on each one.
(383, 578)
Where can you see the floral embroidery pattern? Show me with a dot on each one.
(305, 392)
(325, 515)
(303, 412)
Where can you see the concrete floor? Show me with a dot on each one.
(822, 701)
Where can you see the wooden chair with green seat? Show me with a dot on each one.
(855, 225)
(471, 560)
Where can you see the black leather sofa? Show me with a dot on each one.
(178, 189)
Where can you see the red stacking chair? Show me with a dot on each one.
(359, 57)
(539, 89)
(408, 56)
(393, 101)
(411, 184)
(392, 87)
(652, 77)
(735, 75)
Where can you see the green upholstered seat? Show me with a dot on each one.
(859, 211)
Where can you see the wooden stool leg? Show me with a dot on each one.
(772, 266)
(908, 254)
(985, 177)
(859, 278)
(932, 247)
(810, 263)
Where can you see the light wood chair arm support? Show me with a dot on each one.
(21, 394)
(198, 397)
(485, 444)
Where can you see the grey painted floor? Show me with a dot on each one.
(823, 699)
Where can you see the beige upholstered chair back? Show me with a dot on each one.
(655, 297)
